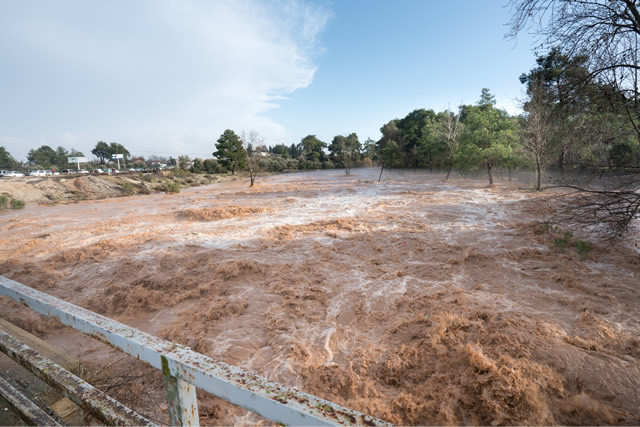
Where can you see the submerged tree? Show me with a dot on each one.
(451, 130)
(537, 131)
(489, 134)
(250, 141)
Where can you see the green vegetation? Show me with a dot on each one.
(7, 162)
(47, 158)
(17, 204)
(6, 202)
(230, 152)
(127, 187)
(170, 187)
(563, 241)
(104, 151)
(583, 248)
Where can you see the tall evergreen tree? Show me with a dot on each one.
(230, 152)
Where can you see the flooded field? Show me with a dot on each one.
(414, 300)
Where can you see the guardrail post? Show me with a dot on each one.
(181, 399)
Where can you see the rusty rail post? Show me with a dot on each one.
(181, 399)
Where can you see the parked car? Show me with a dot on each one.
(15, 174)
(97, 171)
(83, 171)
(38, 173)
(3, 173)
(67, 171)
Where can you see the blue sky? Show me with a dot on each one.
(169, 77)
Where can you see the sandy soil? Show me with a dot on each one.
(414, 300)
(72, 188)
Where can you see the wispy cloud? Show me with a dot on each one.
(155, 75)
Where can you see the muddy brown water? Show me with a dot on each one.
(414, 300)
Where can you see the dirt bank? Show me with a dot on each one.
(418, 301)
(62, 188)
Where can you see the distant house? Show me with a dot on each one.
(260, 154)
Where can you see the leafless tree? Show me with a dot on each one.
(452, 130)
(607, 212)
(538, 129)
(251, 141)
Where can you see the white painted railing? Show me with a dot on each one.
(185, 369)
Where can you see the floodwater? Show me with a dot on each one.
(411, 299)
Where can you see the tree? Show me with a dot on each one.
(280, 150)
(313, 148)
(353, 151)
(250, 141)
(537, 130)
(344, 151)
(115, 148)
(451, 130)
(183, 162)
(44, 156)
(420, 142)
(211, 166)
(391, 155)
(489, 134)
(6, 160)
(337, 150)
(198, 165)
(605, 30)
(369, 149)
(230, 152)
(561, 83)
(102, 151)
(62, 157)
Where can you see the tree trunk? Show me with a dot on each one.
(448, 172)
(538, 174)
(509, 169)
(381, 169)
(490, 175)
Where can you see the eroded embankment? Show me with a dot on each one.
(413, 300)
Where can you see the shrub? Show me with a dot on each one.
(4, 201)
(180, 172)
(562, 242)
(583, 248)
(170, 187)
(17, 204)
(127, 187)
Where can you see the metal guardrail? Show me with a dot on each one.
(185, 369)
(83, 394)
